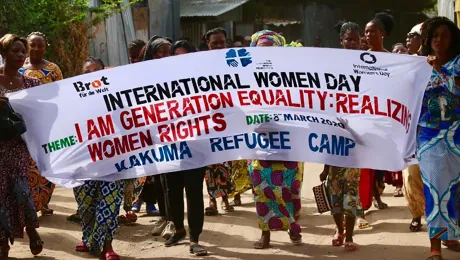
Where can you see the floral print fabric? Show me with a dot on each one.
(438, 151)
(343, 187)
(240, 177)
(17, 209)
(218, 179)
(99, 205)
(277, 187)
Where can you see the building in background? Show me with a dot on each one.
(308, 20)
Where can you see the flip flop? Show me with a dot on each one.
(350, 247)
(338, 239)
(435, 257)
(415, 226)
(260, 245)
(363, 224)
(296, 239)
(398, 193)
(131, 218)
(74, 218)
(228, 208)
(236, 203)
(381, 205)
(82, 248)
(111, 256)
(47, 212)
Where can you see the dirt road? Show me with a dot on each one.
(231, 236)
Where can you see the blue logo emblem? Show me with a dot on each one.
(235, 57)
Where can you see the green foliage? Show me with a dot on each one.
(65, 24)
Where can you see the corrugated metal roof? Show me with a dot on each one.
(190, 8)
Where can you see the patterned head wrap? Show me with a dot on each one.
(294, 44)
(274, 38)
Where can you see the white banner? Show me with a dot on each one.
(209, 107)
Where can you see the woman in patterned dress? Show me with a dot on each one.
(218, 177)
(438, 135)
(241, 179)
(17, 210)
(37, 67)
(343, 183)
(277, 184)
(343, 187)
(99, 204)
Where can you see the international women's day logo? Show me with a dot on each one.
(236, 57)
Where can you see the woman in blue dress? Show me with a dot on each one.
(438, 137)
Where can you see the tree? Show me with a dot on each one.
(65, 24)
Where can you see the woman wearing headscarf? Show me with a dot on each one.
(17, 209)
(37, 67)
(276, 210)
(152, 189)
(438, 135)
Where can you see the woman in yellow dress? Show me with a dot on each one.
(37, 67)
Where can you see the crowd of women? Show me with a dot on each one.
(432, 187)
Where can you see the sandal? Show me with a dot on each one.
(74, 218)
(111, 256)
(381, 205)
(363, 223)
(398, 193)
(198, 250)
(228, 208)
(415, 226)
(453, 245)
(264, 241)
(131, 218)
(296, 239)
(82, 248)
(435, 257)
(236, 203)
(47, 211)
(338, 239)
(350, 247)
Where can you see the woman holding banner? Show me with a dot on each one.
(37, 67)
(192, 182)
(276, 210)
(153, 189)
(372, 183)
(438, 138)
(99, 204)
(343, 183)
(218, 177)
(17, 209)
